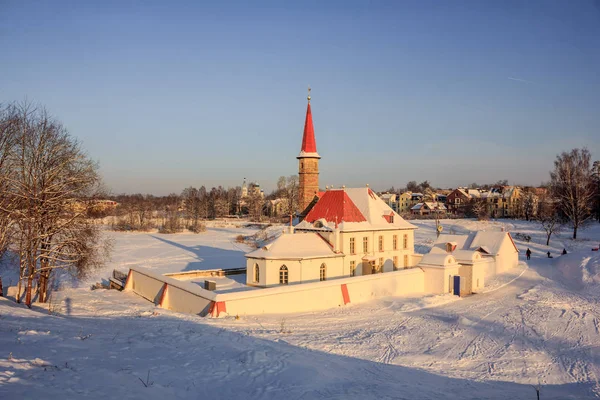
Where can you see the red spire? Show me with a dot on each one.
(309, 145)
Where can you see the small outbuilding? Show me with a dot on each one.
(496, 248)
(440, 270)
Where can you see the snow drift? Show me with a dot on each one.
(579, 270)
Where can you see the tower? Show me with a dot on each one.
(308, 168)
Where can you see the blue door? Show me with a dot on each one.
(457, 285)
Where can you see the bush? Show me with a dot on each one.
(240, 239)
(197, 228)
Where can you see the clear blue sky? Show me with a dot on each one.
(171, 94)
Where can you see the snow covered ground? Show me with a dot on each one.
(539, 323)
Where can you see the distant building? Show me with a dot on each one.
(427, 208)
(391, 199)
(404, 202)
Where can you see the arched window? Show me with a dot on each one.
(323, 272)
(256, 273)
(283, 275)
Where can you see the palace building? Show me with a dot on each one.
(344, 232)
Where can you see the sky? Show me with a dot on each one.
(166, 95)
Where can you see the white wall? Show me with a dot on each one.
(299, 271)
(190, 298)
(438, 280)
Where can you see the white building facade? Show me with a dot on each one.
(349, 232)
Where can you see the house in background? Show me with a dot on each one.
(428, 208)
(391, 199)
(457, 201)
(404, 203)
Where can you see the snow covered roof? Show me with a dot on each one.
(353, 209)
(438, 260)
(296, 246)
(491, 241)
(466, 256)
(488, 242)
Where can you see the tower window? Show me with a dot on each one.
(323, 272)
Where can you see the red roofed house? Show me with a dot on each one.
(348, 232)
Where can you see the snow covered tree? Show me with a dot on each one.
(572, 186)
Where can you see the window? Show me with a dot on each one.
(256, 273)
(352, 246)
(323, 272)
(373, 267)
(381, 243)
(395, 263)
(352, 268)
(395, 242)
(380, 264)
(283, 275)
(366, 244)
(406, 261)
(391, 219)
(405, 243)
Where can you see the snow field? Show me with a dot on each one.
(532, 325)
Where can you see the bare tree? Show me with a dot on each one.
(596, 175)
(572, 186)
(292, 194)
(171, 219)
(412, 186)
(527, 206)
(8, 204)
(550, 218)
(192, 207)
(53, 182)
(480, 210)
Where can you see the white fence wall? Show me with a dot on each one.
(190, 298)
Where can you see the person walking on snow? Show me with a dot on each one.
(564, 252)
(528, 254)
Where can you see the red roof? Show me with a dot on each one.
(309, 145)
(335, 206)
